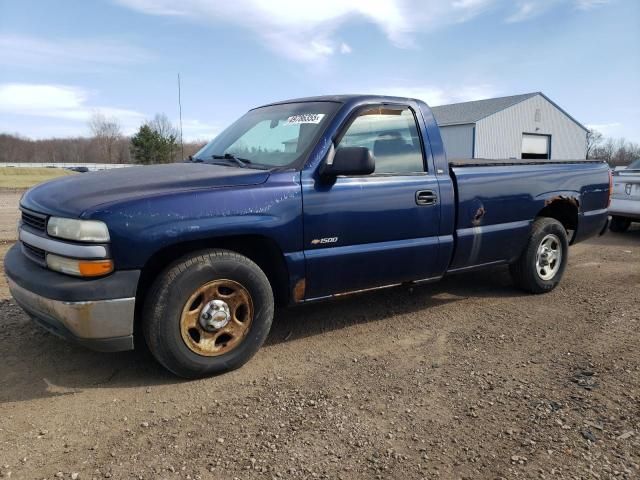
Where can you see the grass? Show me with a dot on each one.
(25, 177)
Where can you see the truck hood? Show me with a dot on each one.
(72, 195)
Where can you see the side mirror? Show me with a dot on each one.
(348, 161)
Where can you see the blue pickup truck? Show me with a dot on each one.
(296, 201)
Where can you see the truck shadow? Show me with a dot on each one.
(36, 364)
(317, 318)
(630, 237)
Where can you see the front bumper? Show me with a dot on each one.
(97, 313)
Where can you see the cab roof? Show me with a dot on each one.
(345, 98)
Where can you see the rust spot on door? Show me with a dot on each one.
(477, 218)
(299, 290)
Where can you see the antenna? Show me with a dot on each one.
(180, 109)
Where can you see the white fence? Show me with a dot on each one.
(91, 166)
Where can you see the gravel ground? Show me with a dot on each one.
(9, 200)
(9, 213)
(467, 378)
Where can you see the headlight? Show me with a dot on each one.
(79, 230)
(79, 268)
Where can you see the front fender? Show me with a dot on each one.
(140, 228)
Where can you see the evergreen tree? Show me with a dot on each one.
(152, 144)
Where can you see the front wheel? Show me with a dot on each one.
(208, 313)
(619, 224)
(542, 263)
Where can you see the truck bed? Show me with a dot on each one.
(499, 199)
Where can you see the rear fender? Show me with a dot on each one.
(569, 196)
(564, 206)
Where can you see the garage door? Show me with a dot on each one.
(536, 147)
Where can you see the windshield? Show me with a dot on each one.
(271, 137)
(635, 165)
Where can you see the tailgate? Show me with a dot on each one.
(626, 186)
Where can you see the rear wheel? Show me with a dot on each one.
(542, 263)
(619, 224)
(208, 313)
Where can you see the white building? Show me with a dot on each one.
(529, 126)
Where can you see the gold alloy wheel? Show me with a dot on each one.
(216, 318)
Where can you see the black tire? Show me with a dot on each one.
(524, 271)
(163, 309)
(619, 224)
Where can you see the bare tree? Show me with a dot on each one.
(594, 138)
(617, 152)
(625, 152)
(163, 126)
(14, 148)
(107, 132)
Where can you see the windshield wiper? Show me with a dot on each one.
(242, 162)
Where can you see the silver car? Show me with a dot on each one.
(625, 202)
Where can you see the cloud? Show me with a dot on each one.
(320, 47)
(435, 95)
(63, 110)
(306, 31)
(62, 102)
(344, 48)
(529, 9)
(468, 9)
(590, 4)
(28, 51)
(607, 129)
(195, 130)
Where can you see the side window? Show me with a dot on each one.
(392, 136)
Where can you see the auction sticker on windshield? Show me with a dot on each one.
(305, 118)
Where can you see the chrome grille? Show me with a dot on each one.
(34, 220)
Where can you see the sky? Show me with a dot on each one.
(62, 61)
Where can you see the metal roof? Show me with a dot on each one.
(472, 112)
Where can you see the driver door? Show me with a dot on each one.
(379, 229)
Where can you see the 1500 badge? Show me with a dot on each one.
(319, 241)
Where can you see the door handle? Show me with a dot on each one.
(426, 197)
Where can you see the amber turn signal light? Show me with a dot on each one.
(95, 268)
(79, 267)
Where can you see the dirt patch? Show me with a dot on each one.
(9, 214)
(467, 378)
(4, 288)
